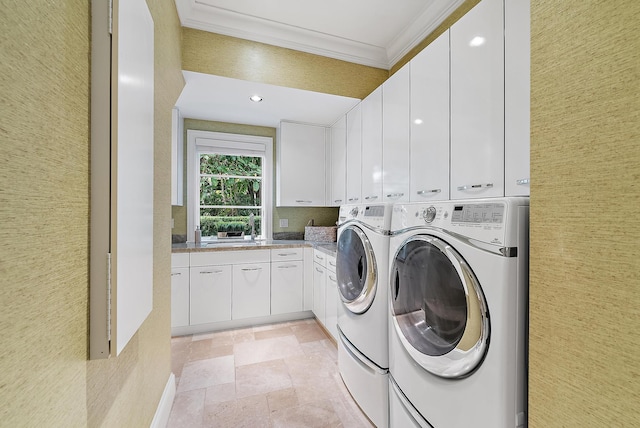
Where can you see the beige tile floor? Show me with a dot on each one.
(276, 376)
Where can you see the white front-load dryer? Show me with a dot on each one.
(362, 271)
(458, 290)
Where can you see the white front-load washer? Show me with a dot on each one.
(362, 272)
(458, 279)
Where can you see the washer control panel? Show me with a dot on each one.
(377, 216)
(486, 220)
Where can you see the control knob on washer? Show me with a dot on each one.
(429, 214)
(354, 212)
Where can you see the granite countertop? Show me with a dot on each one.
(242, 245)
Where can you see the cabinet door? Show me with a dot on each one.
(477, 103)
(338, 162)
(354, 154)
(251, 291)
(301, 165)
(286, 287)
(429, 163)
(372, 147)
(395, 137)
(331, 304)
(210, 296)
(516, 97)
(319, 283)
(179, 297)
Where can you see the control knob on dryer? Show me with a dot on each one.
(429, 214)
(354, 212)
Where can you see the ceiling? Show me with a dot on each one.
(375, 33)
(223, 99)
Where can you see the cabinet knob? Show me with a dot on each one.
(475, 186)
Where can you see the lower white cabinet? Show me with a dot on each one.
(179, 290)
(287, 287)
(319, 282)
(331, 298)
(210, 297)
(251, 290)
(325, 291)
(210, 287)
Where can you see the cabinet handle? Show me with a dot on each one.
(176, 273)
(428, 192)
(286, 266)
(302, 201)
(475, 186)
(319, 257)
(523, 181)
(208, 272)
(286, 254)
(353, 199)
(255, 268)
(332, 264)
(369, 198)
(319, 270)
(337, 201)
(395, 195)
(332, 279)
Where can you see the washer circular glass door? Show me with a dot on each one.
(438, 308)
(356, 270)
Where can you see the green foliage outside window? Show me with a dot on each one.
(229, 187)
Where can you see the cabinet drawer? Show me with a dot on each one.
(331, 263)
(179, 260)
(320, 258)
(286, 254)
(230, 257)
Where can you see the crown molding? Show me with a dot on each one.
(200, 16)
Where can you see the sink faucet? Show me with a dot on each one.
(252, 223)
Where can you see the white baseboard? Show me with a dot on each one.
(161, 417)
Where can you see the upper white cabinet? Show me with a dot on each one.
(477, 102)
(338, 162)
(517, 94)
(354, 154)
(301, 165)
(372, 146)
(429, 163)
(395, 137)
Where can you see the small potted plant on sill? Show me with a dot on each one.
(232, 229)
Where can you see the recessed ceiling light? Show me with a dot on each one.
(255, 98)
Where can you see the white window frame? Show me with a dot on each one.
(230, 144)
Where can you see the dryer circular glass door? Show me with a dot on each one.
(438, 308)
(356, 270)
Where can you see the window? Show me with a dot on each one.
(230, 178)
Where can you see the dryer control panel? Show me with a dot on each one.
(490, 221)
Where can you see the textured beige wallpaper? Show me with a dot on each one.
(44, 212)
(585, 211)
(46, 379)
(226, 56)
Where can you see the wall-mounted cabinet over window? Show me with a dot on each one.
(301, 169)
